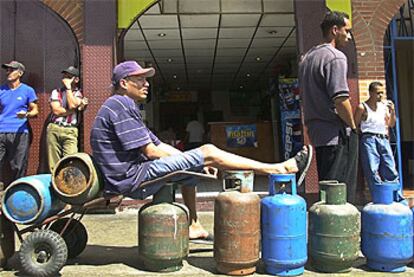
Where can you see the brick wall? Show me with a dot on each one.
(370, 21)
(72, 12)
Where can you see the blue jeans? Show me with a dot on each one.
(377, 160)
(192, 160)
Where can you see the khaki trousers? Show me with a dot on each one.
(61, 141)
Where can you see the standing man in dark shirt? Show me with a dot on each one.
(18, 103)
(128, 153)
(327, 109)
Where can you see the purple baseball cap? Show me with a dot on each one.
(130, 68)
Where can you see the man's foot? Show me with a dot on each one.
(206, 240)
(303, 160)
(197, 231)
(197, 234)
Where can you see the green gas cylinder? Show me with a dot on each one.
(334, 230)
(163, 232)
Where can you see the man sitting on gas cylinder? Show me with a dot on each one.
(128, 153)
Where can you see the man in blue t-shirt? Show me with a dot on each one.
(17, 105)
(128, 153)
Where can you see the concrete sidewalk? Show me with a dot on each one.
(112, 251)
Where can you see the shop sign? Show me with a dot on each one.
(241, 135)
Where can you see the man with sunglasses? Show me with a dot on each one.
(18, 103)
(327, 109)
(66, 103)
(128, 153)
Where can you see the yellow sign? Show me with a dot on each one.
(128, 10)
(340, 6)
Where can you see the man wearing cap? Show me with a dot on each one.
(65, 103)
(18, 103)
(128, 153)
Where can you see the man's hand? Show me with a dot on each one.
(67, 82)
(209, 170)
(21, 114)
(390, 117)
(390, 106)
(344, 111)
(83, 104)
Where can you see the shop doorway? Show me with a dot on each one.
(218, 60)
(217, 55)
(399, 62)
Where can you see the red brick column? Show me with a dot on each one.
(97, 58)
(370, 21)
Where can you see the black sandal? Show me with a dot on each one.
(303, 161)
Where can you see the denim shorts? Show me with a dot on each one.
(192, 160)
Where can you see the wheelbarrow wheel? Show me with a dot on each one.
(75, 235)
(43, 253)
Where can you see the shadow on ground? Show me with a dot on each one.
(107, 255)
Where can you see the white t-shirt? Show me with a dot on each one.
(376, 120)
(195, 130)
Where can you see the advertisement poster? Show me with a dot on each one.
(241, 136)
(290, 117)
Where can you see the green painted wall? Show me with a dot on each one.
(340, 5)
(129, 9)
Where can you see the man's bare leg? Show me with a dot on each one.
(216, 157)
(196, 230)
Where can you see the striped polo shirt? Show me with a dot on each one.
(60, 95)
(117, 134)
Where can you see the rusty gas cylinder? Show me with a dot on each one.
(76, 180)
(163, 232)
(237, 225)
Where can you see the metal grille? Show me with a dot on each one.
(6, 34)
(400, 28)
(34, 35)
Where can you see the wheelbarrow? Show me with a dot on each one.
(49, 243)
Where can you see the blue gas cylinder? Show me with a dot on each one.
(30, 200)
(387, 230)
(283, 220)
(411, 205)
(412, 211)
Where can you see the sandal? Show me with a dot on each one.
(303, 160)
